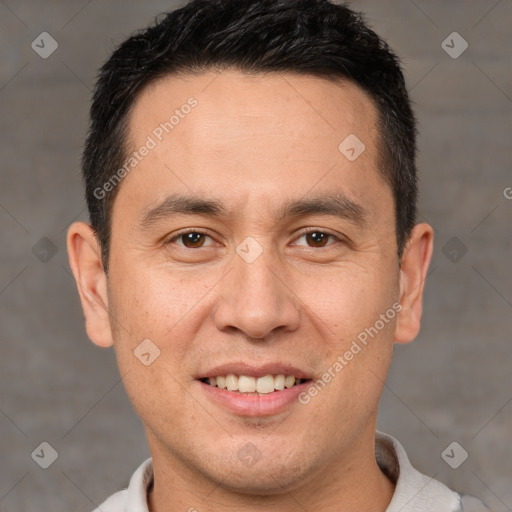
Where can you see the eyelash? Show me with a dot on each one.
(199, 232)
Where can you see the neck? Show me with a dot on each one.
(351, 482)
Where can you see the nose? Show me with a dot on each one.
(257, 299)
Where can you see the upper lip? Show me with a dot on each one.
(260, 370)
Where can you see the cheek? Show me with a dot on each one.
(149, 313)
(153, 319)
(352, 300)
(357, 312)
(152, 302)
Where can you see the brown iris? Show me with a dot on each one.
(194, 239)
(318, 238)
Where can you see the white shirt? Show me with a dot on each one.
(414, 492)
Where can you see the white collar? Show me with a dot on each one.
(414, 491)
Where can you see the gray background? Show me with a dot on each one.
(452, 384)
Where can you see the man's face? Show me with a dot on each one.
(252, 292)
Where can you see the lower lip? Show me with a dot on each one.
(255, 405)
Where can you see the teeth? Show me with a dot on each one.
(290, 381)
(279, 382)
(247, 384)
(265, 384)
(221, 382)
(231, 382)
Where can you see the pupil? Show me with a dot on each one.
(193, 238)
(318, 238)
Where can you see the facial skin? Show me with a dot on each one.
(254, 143)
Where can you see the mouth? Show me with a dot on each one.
(251, 391)
(250, 385)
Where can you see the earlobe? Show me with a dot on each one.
(413, 272)
(86, 264)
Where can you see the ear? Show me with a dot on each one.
(413, 272)
(86, 263)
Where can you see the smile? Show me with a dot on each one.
(249, 396)
(246, 384)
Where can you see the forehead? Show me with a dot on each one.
(231, 99)
(260, 134)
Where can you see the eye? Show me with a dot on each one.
(191, 239)
(194, 239)
(317, 238)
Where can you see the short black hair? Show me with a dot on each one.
(309, 37)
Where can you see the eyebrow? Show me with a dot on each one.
(328, 204)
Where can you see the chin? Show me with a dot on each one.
(251, 472)
(262, 481)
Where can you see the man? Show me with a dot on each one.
(253, 257)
